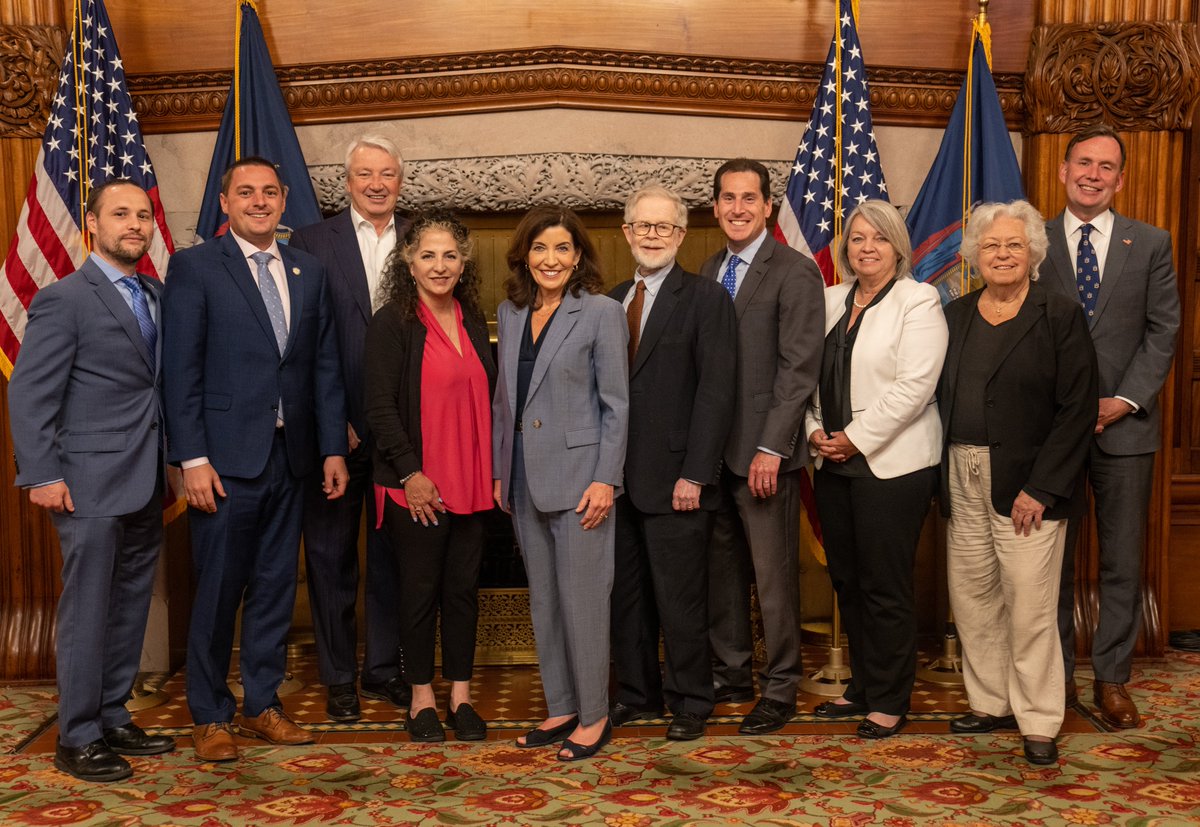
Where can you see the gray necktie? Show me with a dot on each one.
(271, 298)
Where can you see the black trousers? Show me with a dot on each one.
(661, 580)
(439, 568)
(871, 528)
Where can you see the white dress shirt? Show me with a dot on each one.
(375, 248)
(654, 281)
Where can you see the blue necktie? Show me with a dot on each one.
(1087, 273)
(729, 280)
(141, 312)
(271, 298)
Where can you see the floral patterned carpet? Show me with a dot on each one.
(1149, 777)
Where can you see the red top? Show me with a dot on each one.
(456, 422)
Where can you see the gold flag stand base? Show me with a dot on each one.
(946, 669)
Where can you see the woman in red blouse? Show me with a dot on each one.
(429, 380)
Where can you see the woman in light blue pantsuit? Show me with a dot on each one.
(559, 421)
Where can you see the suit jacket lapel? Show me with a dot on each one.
(660, 313)
(564, 320)
(510, 352)
(239, 270)
(1114, 264)
(1032, 309)
(754, 276)
(350, 263)
(296, 281)
(112, 299)
(1059, 257)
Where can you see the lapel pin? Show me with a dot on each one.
(296, 270)
(1127, 241)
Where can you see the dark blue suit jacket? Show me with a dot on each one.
(335, 244)
(224, 375)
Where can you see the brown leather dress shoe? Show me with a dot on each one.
(214, 742)
(273, 725)
(1116, 707)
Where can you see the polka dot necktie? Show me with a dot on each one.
(271, 298)
(1087, 272)
(729, 280)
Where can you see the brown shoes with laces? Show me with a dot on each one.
(274, 726)
(214, 742)
(1116, 707)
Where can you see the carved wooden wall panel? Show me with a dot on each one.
(30, 57)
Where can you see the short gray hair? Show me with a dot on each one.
(984, 216)
(657, 191)
(378, 142)
(886, 219)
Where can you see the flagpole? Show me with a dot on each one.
(837, 139)
(237, 76)
(81, 122)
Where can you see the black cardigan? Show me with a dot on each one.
(392, 359)
(1041, 405)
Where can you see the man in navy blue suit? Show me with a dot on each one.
(253, 400)
(86, 425)
(354, 246)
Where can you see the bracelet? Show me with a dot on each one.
(405, 480)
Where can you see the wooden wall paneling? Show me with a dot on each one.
(1089, 11)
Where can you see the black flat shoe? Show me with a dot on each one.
(620, 714)
(973, 724)
(829, 709)
(466, 723)
(131, 739)
(1041, 752)
(869, 729)
(578, 752)
(766, 717)
(424, 727)
(393, 690)
(341, 703)
(92, 762)
(546, 737)
(686, 726)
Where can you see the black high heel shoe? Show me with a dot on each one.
(546, 737)
(578, 752)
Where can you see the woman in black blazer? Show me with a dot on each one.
(1018, 404)
(429, 380)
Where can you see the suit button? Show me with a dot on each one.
(275, 408)
(990, 403)
(154, 426)
(995, 445)
(537, 423)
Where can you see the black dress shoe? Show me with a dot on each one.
(869, 729)
(577, 752)
(394, 690)
(466, 723)
(733, 694)
(686, 726)
(424, 727)
(829, 709)
(767, 716)
(92, 762)
(975, 724)
(620, 714)
(342, 703)
(131, 739)
(1040, 752)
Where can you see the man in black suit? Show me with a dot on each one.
(682, 358)
(1123, 274)
(354, 246)
(779, 302)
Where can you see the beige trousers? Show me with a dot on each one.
(1004, 594)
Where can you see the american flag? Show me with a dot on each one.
(837, 151)
(92, 135)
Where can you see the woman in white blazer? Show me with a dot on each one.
(559, 422)
(874, 430)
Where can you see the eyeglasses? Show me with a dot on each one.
(663, 229)
(1014, 247)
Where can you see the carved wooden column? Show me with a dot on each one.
(1092, 62)
(32, 44)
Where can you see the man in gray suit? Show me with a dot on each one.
(1121, 271)
(777, 297)
(87, 432)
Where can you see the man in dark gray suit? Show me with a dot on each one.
(86, 421)
(354, 246)
(1121, 271)
(683, 355)
(780, 308)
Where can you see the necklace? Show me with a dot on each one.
(1002, 305)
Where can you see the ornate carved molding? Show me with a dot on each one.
(518, 182)
(30, 58)
(534, 78)
(1136, 76)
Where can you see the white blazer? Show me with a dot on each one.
(894, 372)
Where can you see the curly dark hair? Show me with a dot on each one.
(398, 283)
(520, 286)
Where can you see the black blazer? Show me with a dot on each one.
(335, 243)
(681, 391)
(1041, 402)
(395, 347)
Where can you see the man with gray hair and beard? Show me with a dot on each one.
(682, 359)
(354, 246)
